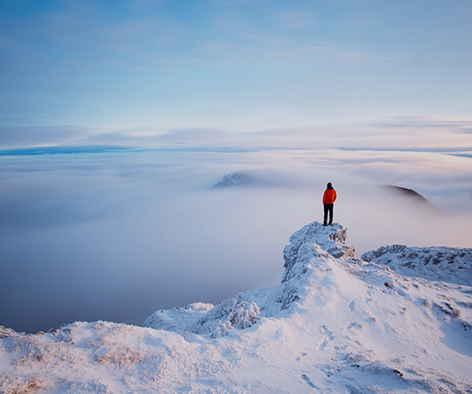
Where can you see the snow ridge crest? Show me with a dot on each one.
(313, 243)
(334, 324)
(206, 319)
(331, 239)
(453, 265)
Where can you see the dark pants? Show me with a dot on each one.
(328, 209)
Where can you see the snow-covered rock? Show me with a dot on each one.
(249, 178)
(200, 318)
(334, 324)
(331, 239)
(237, 179)
(8, 332)
(242, 311)
(453, 265)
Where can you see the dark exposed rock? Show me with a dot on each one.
(246, 178)
(412, 195)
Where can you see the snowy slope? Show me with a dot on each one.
(335, 324)
(453, 265)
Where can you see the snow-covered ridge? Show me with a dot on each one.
(331, 239)
(242, 311)
(334, 324)
(453, 265)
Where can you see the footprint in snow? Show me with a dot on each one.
(328, 336)
(354, 324)
(303, 355)
(309, 382)
(352, 306)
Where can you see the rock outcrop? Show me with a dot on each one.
(206, 319)
(446, 264)
(313, 241)
(332, 239)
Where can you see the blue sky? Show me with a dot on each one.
(90, 67)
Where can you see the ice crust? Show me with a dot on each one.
(334, 324)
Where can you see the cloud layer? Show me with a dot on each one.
(96, 234)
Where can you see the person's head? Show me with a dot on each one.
(329, 184)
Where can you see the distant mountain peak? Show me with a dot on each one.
(237, 179)
(247, 178)
(406, 192)
(413, 196)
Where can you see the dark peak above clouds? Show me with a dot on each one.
(412, 195)
(407, 192)
(246, 178)
(243, 178)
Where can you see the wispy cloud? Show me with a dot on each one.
(423, 122)
(354, 57)
(31, 136)
(294, 19)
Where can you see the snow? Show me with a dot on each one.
(451, 265)
(204, 319)
(388, 322)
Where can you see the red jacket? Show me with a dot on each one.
(329, 196)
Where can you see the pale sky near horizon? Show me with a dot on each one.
(71, 69)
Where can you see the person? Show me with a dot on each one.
(329, 197)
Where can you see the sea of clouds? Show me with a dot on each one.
(119, 225)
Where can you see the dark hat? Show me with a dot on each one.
(329, 184)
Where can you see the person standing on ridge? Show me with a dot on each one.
(329, 197)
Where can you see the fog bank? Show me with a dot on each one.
(116, 235)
